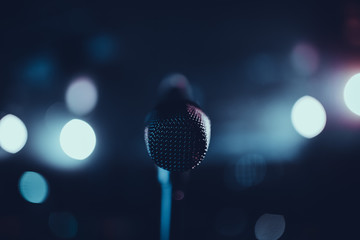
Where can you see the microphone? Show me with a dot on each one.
(177, 132)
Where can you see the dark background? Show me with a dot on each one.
(127, 51)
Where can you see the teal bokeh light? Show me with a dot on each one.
(33, 187)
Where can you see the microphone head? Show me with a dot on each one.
(177, 135)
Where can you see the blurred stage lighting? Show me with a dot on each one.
(305, 59)
(63, 225)
(263, 128)
(33, 187)
(45, 143)
(77, 139)
(352, 94)
(13, 134)
(308, 117)
(81, 96)
(248, 171)
(270, 227)
(103, 48)
(263, 69)
(39, 71)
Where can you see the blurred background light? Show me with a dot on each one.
(305, 59)
(13, 134)
(63, 224)
(352, 94)
(308, 117)
(81, 96)
(352, 23)
(263, 69)
(44, 140)
(261, 126)
(77, 139)
(248, 171)
(102, 48)
(39, 71)
(179, 195)
(270, 227)
(33, 187)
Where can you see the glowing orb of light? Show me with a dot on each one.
(33, 187)
(270, 227)
(308, 117)
(13, 134)
(81, 96)
(352, 94)
(77, 139)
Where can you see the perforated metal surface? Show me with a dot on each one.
(177, 139)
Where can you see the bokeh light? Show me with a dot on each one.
(33, 187)
(13, 134)
(352, 94)
(270, 227)
(263, 69)
(305, 59)
(179, 195)
(63, 225)
(103, 48)
(352, 23)
(262, 127)
(39, 71)
(248, 171)
(81, 96)
(77, 139)
(308, 117)
(45, 140)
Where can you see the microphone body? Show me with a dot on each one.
(177, 134)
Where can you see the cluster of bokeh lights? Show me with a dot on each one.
(77, 140)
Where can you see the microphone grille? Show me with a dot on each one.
(178, 140)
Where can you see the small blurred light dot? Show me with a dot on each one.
(13, 134)
(270, 227)
(352, 94)
(63, 224)
(33, 187)
(179, 195)
(308, 117)
(81, 96)
(77, 139)
(305, 59)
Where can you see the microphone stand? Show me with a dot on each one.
(165, 210)
(170, 227)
